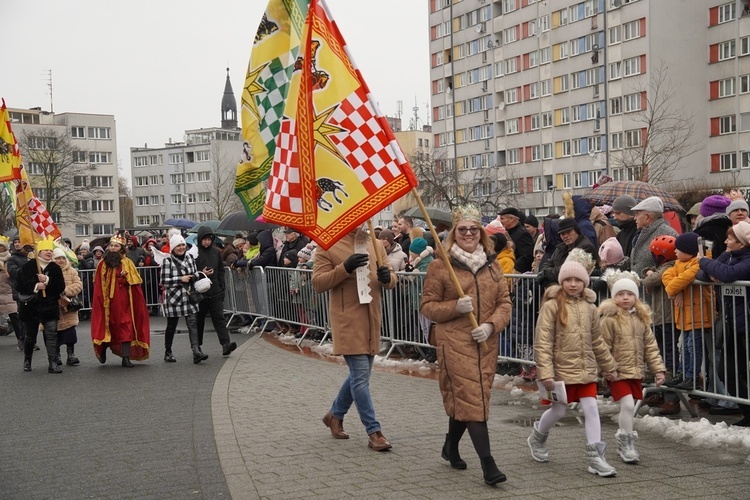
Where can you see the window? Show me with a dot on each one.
(544, 55)
(99, 133)
(77, 133)
(82, 230)
(99, 157)
(511, 65)
(744, 84)
(511, 126)
(511, 96)
(577, 180)
(204, 176)
(546, 119)
(614, 35)
(37, 168)
(141, 201)
(543, 23)
(103, 229)
(206, 197)
(101, 181)
(746, 159)
(534, 122)
(576, 147)
(82, 180)
(176, 179)
(632, 102)
(576, 14)
(563, 115)
(632, 66)
(509, 6)
(595, 144)
(533, 59)
(546, 87)
(615, 70)
(48, 143)
(153, 180)
(154, 200)
(534, 90)
(727, 161)
(560, 51)
(727, 124)
(727, 50)
(565, 148)
(547, 151)
(80, 156)
(513, 156)
(615, 141)
(727, 12)
(140, 161)
(576, 114)
(615, 105)
(744, 45)
(536, 153)
(632, 138)
(102, 205)
(631, 30)
(537, 183)
(509, 35)
(190, 177)
(566, 181)
(726, 88)
(575, 47)
(176, 158)
(81, 206)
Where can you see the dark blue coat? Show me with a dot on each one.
(728, 268)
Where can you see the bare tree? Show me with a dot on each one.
(59, 173)
(126, 202)
(668, 133)
(440, 184)
(223, 171)
(7, 211)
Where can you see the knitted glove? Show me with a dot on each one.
(355, 260)
(482, 333)
(384, 275)
(464, 305)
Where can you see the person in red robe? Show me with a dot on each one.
(119, 316)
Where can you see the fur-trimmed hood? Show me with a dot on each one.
(609, 308)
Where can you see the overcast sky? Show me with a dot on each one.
(159, 66)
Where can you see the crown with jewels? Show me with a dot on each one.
(467, 212)
(118, 239)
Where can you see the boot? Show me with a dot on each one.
(126, 362)
(227, 348)
(626, 446)
(169, 357)
(538, 444)
(198, 355)
(27, 363)
(336, 425)
(53, 366)
(192, 325)
(450, 453)
(103, 356)
(597, 463)
(492, 474)
(72, 359)
(58, 359)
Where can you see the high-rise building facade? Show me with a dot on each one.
(538, 97)
(71, 160)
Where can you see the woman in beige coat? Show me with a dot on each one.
(66, 325)
(467, 356)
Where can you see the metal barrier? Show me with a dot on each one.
(150, 286)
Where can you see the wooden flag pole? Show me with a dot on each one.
(444, 256)
(378, 257)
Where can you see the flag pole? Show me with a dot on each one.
(378, 257)
(444, 256)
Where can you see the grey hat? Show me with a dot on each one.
(650, 204)
(738, 205)
(624, 203)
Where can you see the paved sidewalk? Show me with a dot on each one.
(267, 404)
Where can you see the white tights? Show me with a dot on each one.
(590, 413)
(627, 413)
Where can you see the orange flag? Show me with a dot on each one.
(336, 162)
(10, 154)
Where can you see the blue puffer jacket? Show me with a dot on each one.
(582, 209)
(728, 268)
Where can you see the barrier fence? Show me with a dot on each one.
(710, 351)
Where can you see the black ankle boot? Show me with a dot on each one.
(103, 356)
(58, 360)
(53, 366)
(198, 355)
(27, 364)
(492, 474)
(169, 357)
(126, 362)
(72, 359)
(450, 453)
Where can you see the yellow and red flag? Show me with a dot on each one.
(10, 153)
(336, 162)
(264, 96)
(33, 220)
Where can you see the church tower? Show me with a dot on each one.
(228, 107)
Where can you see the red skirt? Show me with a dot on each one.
(622, 388)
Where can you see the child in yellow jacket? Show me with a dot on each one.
(693, 306)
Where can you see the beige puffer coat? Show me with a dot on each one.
(7, 304)
(355, 327)
(575, 353)
(467, 369)
(630, 340)
(73, 287)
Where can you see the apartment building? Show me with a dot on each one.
(71, 160)
(545, 96)
(184, 179)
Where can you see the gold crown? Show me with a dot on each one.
(45, 244)
(4, 240)
(467, 212)
(118, 239)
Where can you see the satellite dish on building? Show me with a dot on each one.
(479, 28)
(592, 153)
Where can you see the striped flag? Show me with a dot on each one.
(33, 220)
(10, 154)
(264, 96)
(336, 162)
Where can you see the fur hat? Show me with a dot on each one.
(688, 243)
(175, 240)
(85, 244)
(418, 245)
(714, 204)
(622, 280)
(58, 252)
(650, 204)
(742, 232)
(737, 205)
(236, 243)
(611, 252)
(624, 203)
(578, 264)
(495, 227)
(568, 224)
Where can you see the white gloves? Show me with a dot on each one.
(464, 305)
(482, 333)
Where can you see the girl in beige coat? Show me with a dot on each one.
(66, 325)
(626, 329)
(568, 347)
(467, 356)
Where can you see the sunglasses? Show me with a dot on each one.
(471, 230)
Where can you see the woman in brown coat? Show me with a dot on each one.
(467, 356)
(66, 325)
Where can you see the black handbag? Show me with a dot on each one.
(74, 304)
(27, 298)
(194, 296)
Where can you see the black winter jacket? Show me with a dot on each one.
(46, 307)
(211, 257)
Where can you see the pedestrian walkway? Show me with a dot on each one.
(248, 426)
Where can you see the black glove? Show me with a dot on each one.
(384, 275)
(540, 278)
(355, 260)
(409, 268)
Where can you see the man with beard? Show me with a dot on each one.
(119, 317)
(39, 284)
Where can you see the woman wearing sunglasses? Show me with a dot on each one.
(467, 356)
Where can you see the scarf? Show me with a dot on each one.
(473, 261)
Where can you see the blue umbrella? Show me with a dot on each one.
(181, 223)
